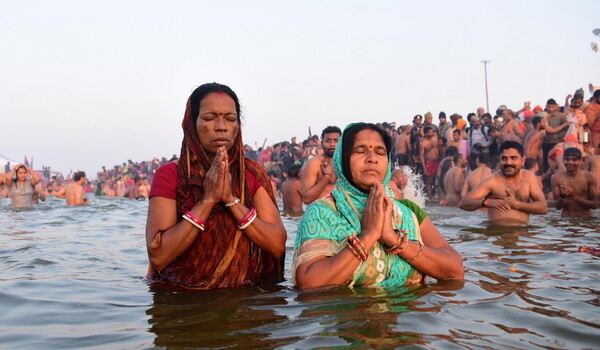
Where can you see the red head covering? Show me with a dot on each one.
(221, 256)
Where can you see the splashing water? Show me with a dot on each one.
(415, 188)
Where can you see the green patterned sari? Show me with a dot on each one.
(327, 223)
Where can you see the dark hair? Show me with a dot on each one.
(294, 170)
(470, 115)
(442, 115)
(445, 166)
(530, 163)
(330, 129)
(15, 178)
(426, 129)
(596, 94)
(573, 152)
(456, 131)
(484, 158)
(577, 97)
(486, 115)
(78, 175)
(451, 151)
(203, 90)
(348, 144)
(456, 157)
(536, 121)
(511, 144)
(443, 139)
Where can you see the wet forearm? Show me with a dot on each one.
(537, 207)
(315, 191)
(470, 204)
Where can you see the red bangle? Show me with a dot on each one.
(247, 220)
(195, 218)
(400, 244)
(357, 248)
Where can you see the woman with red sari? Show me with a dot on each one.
(213, 221)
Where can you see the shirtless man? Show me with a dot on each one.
(511, 194)
(455, 140)
(454, 180)
(402, 145)
(73, 192)
(319, 177)
(533, 143)
(291, 190)
(511, 130)
(476, 176)
(533, 166)
(144, 188)
(132, 191)
(595, 168)
(575, 190)
(430, 157)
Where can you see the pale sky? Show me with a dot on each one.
(85, 84)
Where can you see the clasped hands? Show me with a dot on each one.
(217, 183)
(376, 221)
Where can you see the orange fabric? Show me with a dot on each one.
(590, 112)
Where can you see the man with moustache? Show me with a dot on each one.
(575, 190)
(319, 177)
(510, 194)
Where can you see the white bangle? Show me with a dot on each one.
(236, 201)
(200, 227)
(250, 220)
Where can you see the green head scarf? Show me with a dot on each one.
(349, 199)
(335, 221)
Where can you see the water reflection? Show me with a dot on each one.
(214, 318)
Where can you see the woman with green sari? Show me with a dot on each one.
(360, 235)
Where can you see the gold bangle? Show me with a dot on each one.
(419, 253)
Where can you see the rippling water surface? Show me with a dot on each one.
(73, 278)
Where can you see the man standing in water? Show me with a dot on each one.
(476, 176)
(575, 190)
(430, 158)
(510, 194)
(454, 180)
(291, 190)
(319, 177)
(402, 145)
(73, 192)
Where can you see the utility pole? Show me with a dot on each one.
(487, 102)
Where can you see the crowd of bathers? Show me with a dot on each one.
(449, 155)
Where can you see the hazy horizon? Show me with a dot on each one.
(86, 85)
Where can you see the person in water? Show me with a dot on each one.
(360, 235)
(575, 190)
(213, 221)
(319, 178)
(73, 193)
(511, 194)
(22, 189)
(291, 190)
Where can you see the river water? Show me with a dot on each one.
(74, 278)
